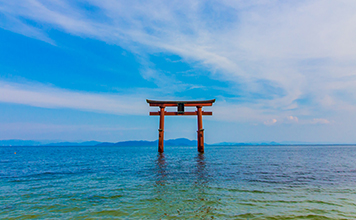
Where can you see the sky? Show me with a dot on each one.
(80, 70)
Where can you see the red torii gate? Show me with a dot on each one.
(180, 105)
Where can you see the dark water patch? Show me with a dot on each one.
(321, 202)
(310, 216)
(249, 216)
(243, 190)
(108, 213)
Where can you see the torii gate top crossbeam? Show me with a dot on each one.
(175, 103)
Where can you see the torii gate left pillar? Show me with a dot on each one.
(180, 111)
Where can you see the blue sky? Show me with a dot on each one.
(81, 70)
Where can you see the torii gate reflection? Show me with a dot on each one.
(180, 105)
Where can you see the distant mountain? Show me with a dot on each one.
(19, 143)
(292, 143)
(129, 143)
(180, 142)
(246, 144)
(171, 142)
(86, 143)
(45, 143)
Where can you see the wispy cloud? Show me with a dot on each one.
(40, 95)
(270, 122)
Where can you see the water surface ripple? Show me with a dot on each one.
(227, 182)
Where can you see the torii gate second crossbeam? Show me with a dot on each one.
(180, 111)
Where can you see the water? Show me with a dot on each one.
(248, 182)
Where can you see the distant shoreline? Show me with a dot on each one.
(171, 142)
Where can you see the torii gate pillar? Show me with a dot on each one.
(180, 105)
(200, 131)
(161, 130)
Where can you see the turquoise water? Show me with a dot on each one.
(247, 182)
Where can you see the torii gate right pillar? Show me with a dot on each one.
(200, 130)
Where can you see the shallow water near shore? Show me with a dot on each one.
(226, 182)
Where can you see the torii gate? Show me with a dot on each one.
(180, 111)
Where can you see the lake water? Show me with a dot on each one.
(227, 182)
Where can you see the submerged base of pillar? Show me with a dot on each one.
(201, 140)
(160, 140)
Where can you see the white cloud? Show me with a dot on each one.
(270, 122)
(320, 121)
(49, 97)
(293, 118)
